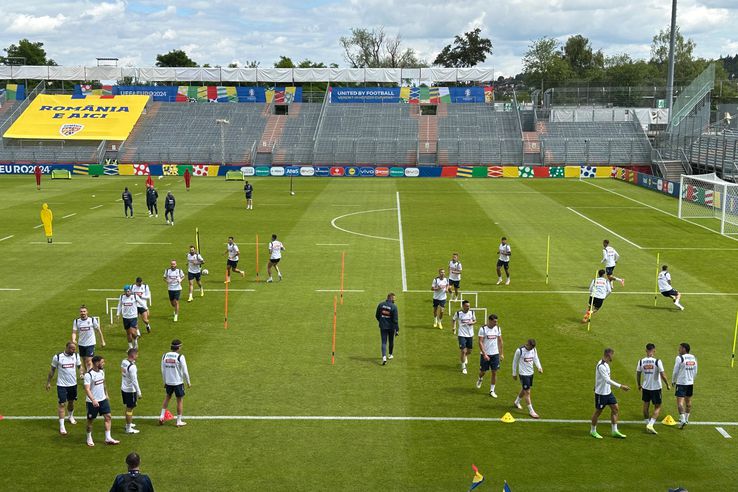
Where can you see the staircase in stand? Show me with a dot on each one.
(427, 134)
(531, 148)
(279, 155)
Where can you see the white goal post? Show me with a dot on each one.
(706, 196)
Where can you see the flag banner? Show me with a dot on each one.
(556, 172)
(525, 172)
(15, 92)
(494, 172)
(62, 117)
(477, 480)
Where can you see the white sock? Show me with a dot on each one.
(499, 279)
(71, 413)
(517, 400)
(179, 418)
(161, 415)
(530, 408)
(682, 417)
(108, 437)
(130, 345)
(128, 427)
(466, 359)
(593, 428)
(492, 388)
(463, 365)
(686, 415)
(614, 427)
(61, 424)
(89, 436)
(651, 421)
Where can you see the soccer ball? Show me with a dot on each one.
(292, 193)
(205, 271)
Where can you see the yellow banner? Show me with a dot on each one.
(89, 118)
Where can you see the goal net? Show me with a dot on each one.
(706, 196)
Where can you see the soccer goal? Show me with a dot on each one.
(706, 196)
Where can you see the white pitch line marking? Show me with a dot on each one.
(331, 244)
(147, 243)
(339, 290)
(693, 249)
(333, 223)
(45, 242)
(402, 244)
(37, 226)
(360, 418)
(622, 208)
(584, 292)
(722, 432)
(603, 227)
(656, 209)
(96, 206)
(7, 237)
(206, 290)
(9, 290)
(70, 215)
(139, 193)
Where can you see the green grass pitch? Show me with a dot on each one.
(275, 357)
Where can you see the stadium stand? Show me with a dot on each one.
(295, 146)
(188, 133)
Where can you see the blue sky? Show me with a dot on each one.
(222, 32)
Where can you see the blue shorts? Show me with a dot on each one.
(439, 302)
(141, 310)
(653, 396)
(526, 381)
(466, 342)
(454, 283)
(86, 350)
(194, 276)
(684, 390)
(174, 295)
(177, 389)
(130, 323)
(670, 293)
(601, 401)
(233, 264)
(505, 264)
(609, 270)
(66, 393)
(129, 399)
(102, 409)
(492, 364)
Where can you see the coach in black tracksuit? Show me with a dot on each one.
(389, 325)
(127, 198)
(169, 208)
(151, 197)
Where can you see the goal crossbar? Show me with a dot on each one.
(704, 196)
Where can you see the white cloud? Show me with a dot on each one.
(105, 10)
(169, 34)
(29, 24)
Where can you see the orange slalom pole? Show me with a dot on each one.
(343, 262)
(333, 347)
(257, 257)
(225, 319)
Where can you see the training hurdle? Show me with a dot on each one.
(463, 296)
(110, 307)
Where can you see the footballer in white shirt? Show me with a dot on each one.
(143, 299)
(610, 258)
(275, 254)
(503, 261)
(194, 271)
(649, 374)
(464, 321)
(526, 356)
(85, 327)
(604, 397)
(599, 289)
(454, 274)
(67, 363)
(128, 309)
(666, 288)
(174, 373)
(130, 390)
(232, 253)
(98, 402)
(440, 288)
(173, 276)
(490, 352)
(685, 370)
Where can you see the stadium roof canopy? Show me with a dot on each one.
(278, 75)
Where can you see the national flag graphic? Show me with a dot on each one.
(587, 172)
(81, 169)
(170, 170)
(477, 480)
(464, 172)
(525, 172)
(494, 172)
(200, 170)
(556, 172)
(141, 169)
(414, 95)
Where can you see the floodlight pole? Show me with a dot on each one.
(672, 41)
(222, 123)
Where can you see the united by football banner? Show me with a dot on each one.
(67, 117)
(408, 95)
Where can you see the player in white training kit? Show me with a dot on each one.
(97, 399)
(67, 363)
(454, 274)
(503, 261)
(173, 276)
(652, 370)
(275, 254)
(143, 298)
(604, 396)
(84, 327)
(599, 289)
(232, 252)
(440, 287)
(490, 347)
(194, 271)
(526, 356)
(464, 321)
(130, 390)
(174, 373)
(685, 370)
(610, 257)
(666, 289)
(128, 309)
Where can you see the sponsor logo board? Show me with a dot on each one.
(412, 172)
(276, 171)
(307, 171)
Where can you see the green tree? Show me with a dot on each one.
(623, 71)
(376, 49)
(684, 48)
(543, 64)
(467, 50)
(26, 53)
(309, 64)
(284, 62)
(175, 58)
(583, 61)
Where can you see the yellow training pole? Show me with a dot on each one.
(735, 332)
(548, 255)
(656, 289)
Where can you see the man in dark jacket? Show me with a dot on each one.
(169, 208)
(151, 197)
(389, 325)
(127, 198)
(134, 479)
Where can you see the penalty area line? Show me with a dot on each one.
(7, 237)
(70, 215)
(360, 418)
(583, 292)
(96, 206)
(206, 290)
(603, 227)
